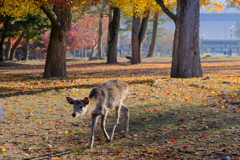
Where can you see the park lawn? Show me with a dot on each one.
(195, 118)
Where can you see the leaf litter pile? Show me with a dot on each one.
(195, 118)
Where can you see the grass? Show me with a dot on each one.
(195, 118)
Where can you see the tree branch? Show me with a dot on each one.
(50, 14)
(166, 10)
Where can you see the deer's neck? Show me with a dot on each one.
(93, 105)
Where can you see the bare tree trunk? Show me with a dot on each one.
(154, 36)
(8, 48)
(15, 45)
(3, 37)
(113, 36)
(136, 56)
(186, 56)
(73, 52)
(138, 34)
(60, 16)
(129, 49)
(26, 50)
(84, 52)
(92, 51)
(100, 31)
(2, 49)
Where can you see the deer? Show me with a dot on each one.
(102, 98)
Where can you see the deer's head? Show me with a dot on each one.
(79, 106)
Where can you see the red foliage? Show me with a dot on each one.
(84, 33)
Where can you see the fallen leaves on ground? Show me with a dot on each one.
(169, 118)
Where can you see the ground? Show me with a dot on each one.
(195, 118)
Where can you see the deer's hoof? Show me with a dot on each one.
(90, 147)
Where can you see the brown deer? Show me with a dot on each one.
(101, 99)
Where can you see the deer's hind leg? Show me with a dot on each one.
(117, 112)
(125, 110)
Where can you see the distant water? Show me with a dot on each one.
(0, 112)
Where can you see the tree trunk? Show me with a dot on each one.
(136, 56)
(84, 52)
(154, 36)
(100, 31)
(2, 48)
(113, 36)
(8, 48)
(129, 49)
(26, 50)
(186, 56)
(3, 36)
(60, 17)
(15, 45)
(92, 51)
(73, 52)
(138, 34)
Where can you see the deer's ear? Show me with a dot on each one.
(70, 100)
(86, 100)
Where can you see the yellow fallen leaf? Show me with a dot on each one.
(222, 107)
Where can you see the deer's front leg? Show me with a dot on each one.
(94, 123)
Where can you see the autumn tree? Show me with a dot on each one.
(60, 14)
(140, 11)
(7, 29)
(33, 25)
(186, 56)
(10, 9)
(11, 28)
(27, 28)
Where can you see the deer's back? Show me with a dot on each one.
(109, 92)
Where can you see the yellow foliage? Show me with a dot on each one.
(19, 8)
(212, 5)
(138, 7)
